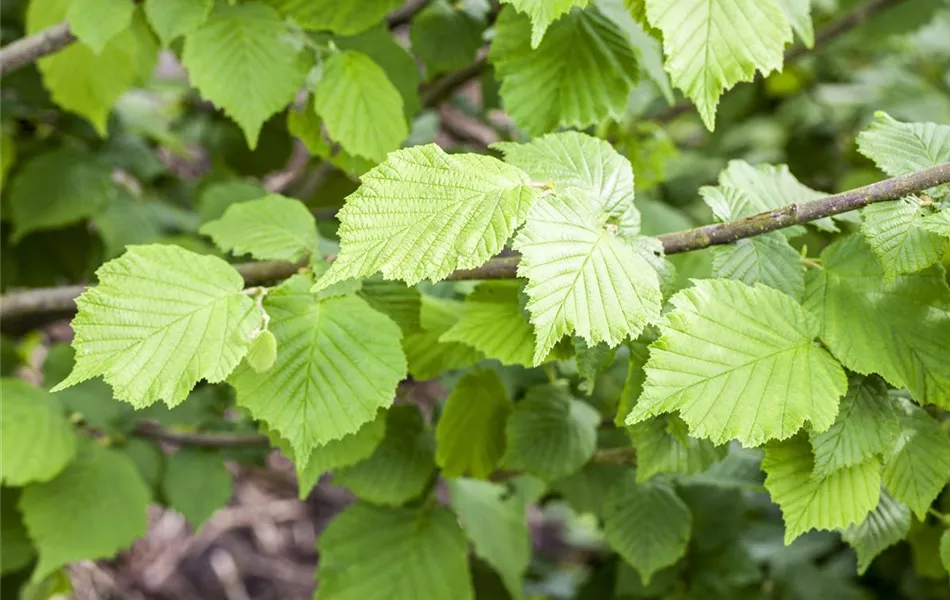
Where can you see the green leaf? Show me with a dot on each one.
(455, 212)
(471, 429)
(591, 361)
(95, 22)
(583, 277)
(861, 314)
(338, 362)
(16, 549)
(335, 454)
(106, 501)
(8, 154)
(550, 434)
(945, 549)
(494, 520)
(580, 75)
(867, 425)
(740, 362)
(344, 18)
(916, 468)
(575, 160)
(750, 190)
(711, 45)
(544, 12)
(809, 502)
(382, 553)
(360, 107)
(173, 18)
(36, 439)
(902, 148)
(938, 223)
(196, 484)
(586, 490)
(244, 61)
(798, 13)
(217, 197)
(647, 524)
(400, 467)
(740, 469)
(896, 234)
(127, 221)
(445, 38)
(886, 525)
(396, 300)
(428, 357)
(663, 446)
(161, 319)
(272, 228)
(401, 68)
(148, 458)
(494, 323)
(263, 352)
(88, 83)
(57, 189)
(768, 259)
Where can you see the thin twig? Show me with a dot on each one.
(440, 89)
(33, 47)
(154, 431)
(829, 33)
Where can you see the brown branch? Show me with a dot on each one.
(154, 431)
(62, 300)
(33, 47)
(440, 89)
(833, 31)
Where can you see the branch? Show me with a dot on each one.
(154, 431)
(833, 31)
(440, 89)
(26, 50)
(61, 300)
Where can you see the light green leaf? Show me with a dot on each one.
(401, 465)
(663, 446)
(544, 12)
(396, 300)
(272, 228)
(84, 82)
(808, 502)
(580, 75)
(95, 22)
(647, 524)
(16, 549)
(196, 484)
(401, 69)
(494, 520)
(57, 189)
(335, 454)
(895, 232)
(382, 553)
(571, 159)
(217, 197)
(884, 526)
(338, 362)
(91, 510)
(243, 60)
(550, 434)
(173, 18)
(763, 188)
(471, 429)
(938, 223)
(494, 323)
(263, 352)
(36, 439)
(799, 16)
(582, 276)
(455, 212)
(445, 37)
(711, 45)
(360, 107)
(902, 148)
(344, 18)
(740, 362)
(161, 319)
(917, 468)
(861, 314)
(768, 259)
(867, 425)
(427, 356)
